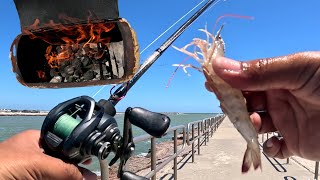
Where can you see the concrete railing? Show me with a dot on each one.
(316, 166)
(205, 128)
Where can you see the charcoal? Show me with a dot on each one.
(82, 52)
(78, 54)
(91, 55)
(64, 63)
(89, 66)
(63, 73)
(76, 63)
(78, 72)
(72, 79)
(69, 70)
(93, 46)
(58, 49)
(98, 77)
(75, 47)
(69, 49)
(85, 61)
(56, 79)
(86, 50)
(104, 69)
(96, 68)
(95, 61)
(89, 75)
(54, 72)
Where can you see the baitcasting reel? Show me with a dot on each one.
(80, 128)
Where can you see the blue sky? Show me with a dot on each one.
(279, 28)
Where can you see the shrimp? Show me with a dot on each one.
(232, 101)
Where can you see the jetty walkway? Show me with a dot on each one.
(221, 159)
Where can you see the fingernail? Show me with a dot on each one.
(227, 64)
(269, 144)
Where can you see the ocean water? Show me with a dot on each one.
(10, 125)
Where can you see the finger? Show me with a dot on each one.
(256, 101)
(256, 121)
(32, 136)
(262, 122)
(280, 72)
(276, 148)
(58, 169)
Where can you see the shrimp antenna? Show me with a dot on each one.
(218, 35)
(232, 16)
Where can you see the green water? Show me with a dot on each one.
(10, 125)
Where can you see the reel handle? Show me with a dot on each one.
(155, 124)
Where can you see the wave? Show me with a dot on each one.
(142, 154)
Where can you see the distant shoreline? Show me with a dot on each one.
(22, 114)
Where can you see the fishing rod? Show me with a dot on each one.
(125, 87)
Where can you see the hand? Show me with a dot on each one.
(22, 158)
(288, 89)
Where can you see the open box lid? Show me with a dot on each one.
(78, 10)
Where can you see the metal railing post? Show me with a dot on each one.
(316, 170)
(199, 138)
(175, 161)
(211, 125)
(193, 143)
(208, 130)
(153, 156)
(216, 125)
(205, 133)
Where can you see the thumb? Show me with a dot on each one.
(289, 72)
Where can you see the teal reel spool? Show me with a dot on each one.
(65, 125)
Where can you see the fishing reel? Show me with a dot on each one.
(81, 128)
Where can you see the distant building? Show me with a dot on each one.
(5, 110)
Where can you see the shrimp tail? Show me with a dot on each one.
(251, 156)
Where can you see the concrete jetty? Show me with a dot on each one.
(221, 159)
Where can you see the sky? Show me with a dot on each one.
(278, 28)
